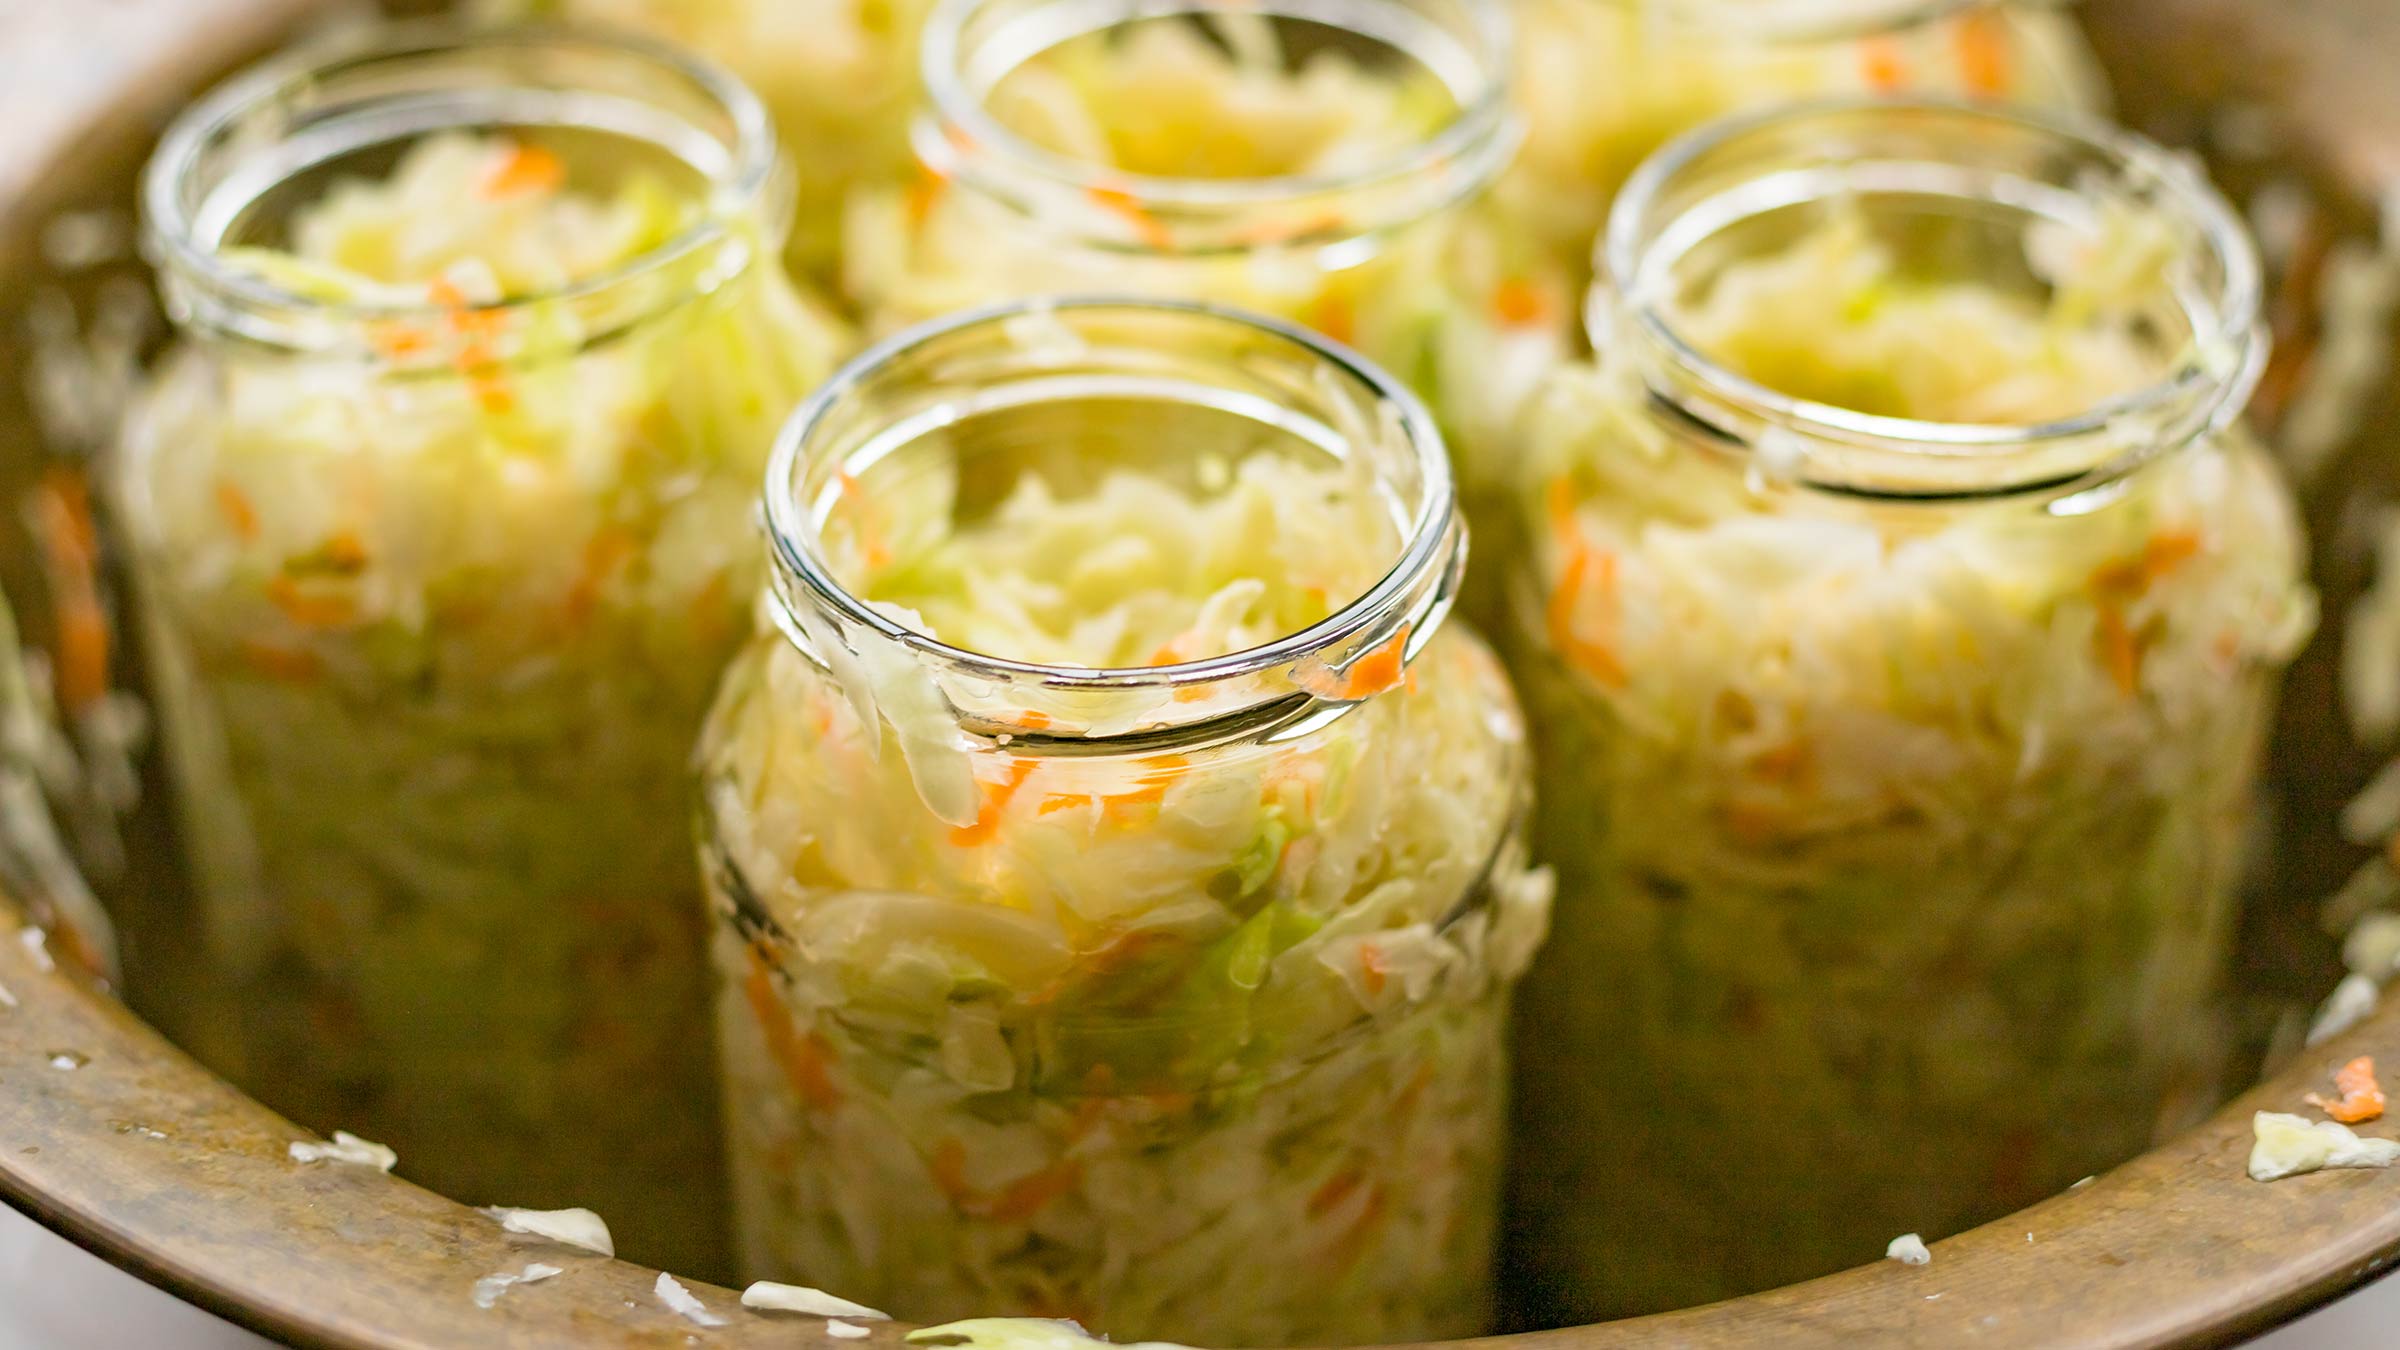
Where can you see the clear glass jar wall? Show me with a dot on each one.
(1307, 159)
(1900, 618)
(1607, 82)
(440, 512)
(1116, 859)
(838, 75)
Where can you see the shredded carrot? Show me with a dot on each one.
(1031, 1194)
(1334, 317)
(1786, 764)
(1883, 64)
(1380, 669)
(867, 521)
(949, 1168)
(1033, 719)
(1750, 823)
(1063, 801)
(399, 341)
(237, 510)
(1586, 566)
(924, 194)
(1985, 63)
(528, 171)
(344, 552)
(1519, 303)
(2362, 1097)
(1353, 1243)
(995, 803)
(2118, 653)
(283, 663)
(71, 559)
(1146, 227)
(603, 554)
(1336, 1189)
(803, 1057)
(1284, 231)
(1371, 964)
(2168, 550)
(309, 610)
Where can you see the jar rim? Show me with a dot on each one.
(959, 137)
(1433, 539)
(173, 206)
(2203, 391)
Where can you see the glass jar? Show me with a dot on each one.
(438, 507)
(839, 76)
(1606, 82)
(1165, 992)
(1307, 159)
(1902, 612)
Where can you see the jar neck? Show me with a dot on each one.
(1023, 373)
(972, 46)
(2023, 191)
(237, 166)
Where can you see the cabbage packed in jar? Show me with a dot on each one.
(1606, 82)
(1901, 621)
(441, 509)
(839, 76)
(1115, 856)
(1307, 159)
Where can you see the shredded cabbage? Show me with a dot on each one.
(1159, 97)
(838, 76)
(1906, 835)
(1147, 1025)
(1606, 82)
(433, 633)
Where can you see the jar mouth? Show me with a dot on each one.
(296, 112)
(960, 138)
(2201, 388)
(1414, 593)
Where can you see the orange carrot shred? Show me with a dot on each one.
(1337, 1187)
(1372, 967)
(282, 663)
(803, 1058)
(1031, 1194)
(995, 803)
(2119, 654)
(2362, 1097)
(1519, 303)
(529, 170)
(1984, 58)
(237, 510)
(1334, 318)
(1380, 669)
(1146, 227)
(1883, 64)
(71, 560)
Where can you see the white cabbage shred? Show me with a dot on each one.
(683, 1303)
(1909, 1250)
(346, 1148)
(2288, 1146)
(572, 1227)
(767, 1296)
(489, 1289)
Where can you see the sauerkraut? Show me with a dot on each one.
(1606, 82)
(1194, 154)
(1897, 841)
(434, 618)
(840, 77)
(1105, 1021)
